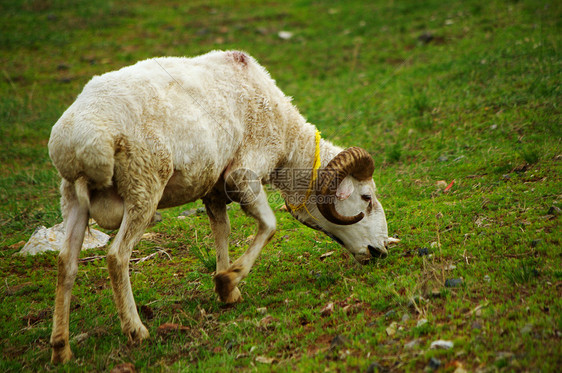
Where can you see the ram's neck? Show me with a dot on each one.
(293, 177)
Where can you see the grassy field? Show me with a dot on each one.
(463, 91)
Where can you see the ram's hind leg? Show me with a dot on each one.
(75, 221)
(141, 189)
(137, 216)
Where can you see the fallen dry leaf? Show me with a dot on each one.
(265, 360)
(325, 255)
(169, 328)
(150, 236)
(17, 245)
(449, 187)
(267, 322)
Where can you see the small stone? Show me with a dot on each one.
(554, 210)
(434, 363)
(425, 38)
(412, 344)
(440, 343)
(421, 322)
(188, 212)
(453, 282)
(423, 251)
(476, 325)
(494, 127)
(535, 243)
(391, 330)
(285, 35)
(390, 314)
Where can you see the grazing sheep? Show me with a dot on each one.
(168, 131)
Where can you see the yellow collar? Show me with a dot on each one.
(315, 168)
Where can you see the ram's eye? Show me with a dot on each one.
(366, 197)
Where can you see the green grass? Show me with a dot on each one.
(435, 91)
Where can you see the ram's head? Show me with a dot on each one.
(347, 208)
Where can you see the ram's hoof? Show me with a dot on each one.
(226, 288)
(233, 297)
(138, 334)
(61, 355)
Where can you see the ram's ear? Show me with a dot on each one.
(345, 189)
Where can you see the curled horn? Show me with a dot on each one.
(352, 161)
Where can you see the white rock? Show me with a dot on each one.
(51, 239)
(441, 344)
(285, 35)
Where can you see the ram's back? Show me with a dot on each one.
(202, 112)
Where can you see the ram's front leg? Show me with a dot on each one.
(227, 280)
(220, 225)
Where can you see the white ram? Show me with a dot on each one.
(168, 131)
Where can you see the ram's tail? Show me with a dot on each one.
(82, 193)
